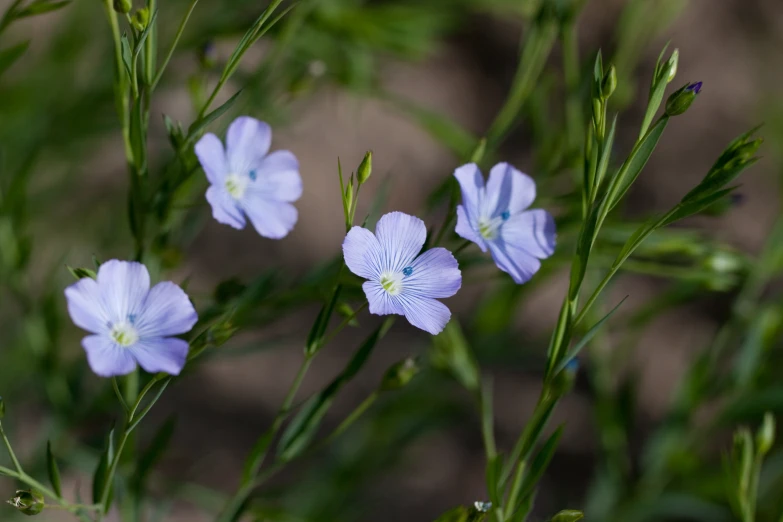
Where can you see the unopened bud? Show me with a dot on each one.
(29, 502)
(123, 6)
(207, 55)
(681, 100)
(141, 19)
(609, 83)
(765, 437)
(400, 374)
(365, 168)
(672, 65)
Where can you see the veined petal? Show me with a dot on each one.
(166, 354)
(277, 178)
(363, 255)
(224, 208)
(509, 190)
(425, 313)
(167, 311)
(471, 182)
(465, 229)
(123, 286)
(532, 231)
(212, 157)
(107, 358)
(435, 273)
(247, 142)
(519, 264)
(272, 219)
(85, 305)
(401, 237)
(381, 303)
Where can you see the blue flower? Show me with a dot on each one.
(399, 280)
(495, 218)
(247, 182)
(130, 322)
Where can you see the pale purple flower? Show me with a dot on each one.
(495, 217)
(399, 280)
(130, 322)
(246, 182)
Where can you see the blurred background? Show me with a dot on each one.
(414, 81)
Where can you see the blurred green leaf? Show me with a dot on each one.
(53, 470)
(451, 352)
(10, 55)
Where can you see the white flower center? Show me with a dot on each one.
(488, 227)
(392, 282)
(124, 333)
(236, 185)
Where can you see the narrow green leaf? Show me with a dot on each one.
(493, 473)
(195, 129)
(317, 332)
(586, 339)
(127, 54)
(540, 463)
(297, 436)
(10, 55)
(53, 470)
(100, 476)
(81, 273)
(451, 352)
(256, 457)
(41, 7)
(144, 35)
(638, 159)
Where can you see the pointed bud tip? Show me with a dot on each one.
(365, 168)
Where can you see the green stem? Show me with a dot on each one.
(150, 45)
(342, 325)
(118, 393)
(349, 420)
(180, 31)
(11, 453)
(120, 89)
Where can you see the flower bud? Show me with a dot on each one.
(365, 168)
(765, 437)
(680, 100)
(29, 502)
(609, 83)
(123, 6)
(141, 19)
(207, 55)
(671, 65)
(400, 374)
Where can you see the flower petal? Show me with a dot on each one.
(272, 219)
(163, 354)
(508, 189)
(435, 274)
(428, 314)
(106, 357)
(521, 265)
(471, 182)
(224, 208)
(85, 305)
(123, 286)
(362, 254)
(532, 231)
(212, 157)
(167, 311)
(465, 230)
(247, 142)
(381, 303)
(278, 178)
(401, 237)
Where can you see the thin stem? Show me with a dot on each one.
(174, 44)
(11, 453)
(342, 325)
(349, 420)
(150, 45)
(120, 91)
(462, 247)
(118, 393)
(30, 481)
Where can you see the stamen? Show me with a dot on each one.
(505, 215)
(392, 282)
(253, 175)
(236, 185)
(408, 270)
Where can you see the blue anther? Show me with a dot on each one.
(408, 270)
(253, 175)
(132, 318)
(505, 215)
